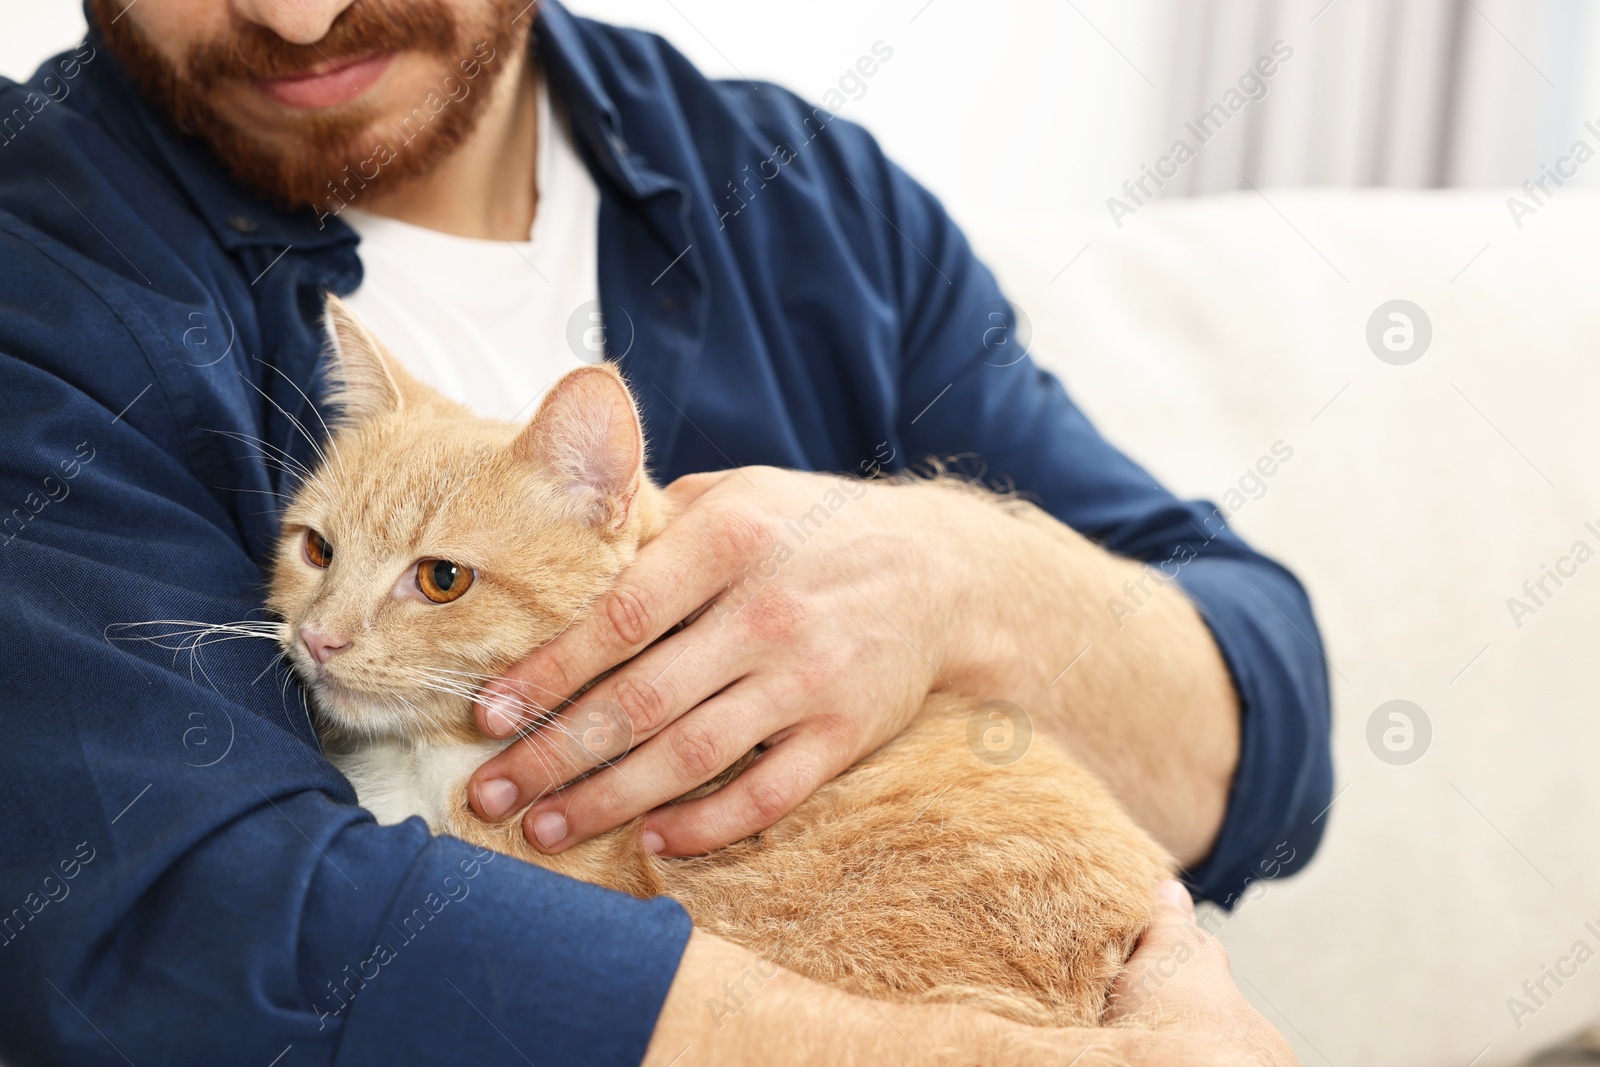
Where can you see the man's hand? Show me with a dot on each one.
(826, 602)
(1178, 984)
(821, 611)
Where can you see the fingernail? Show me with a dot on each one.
(653, 842)
(502, 714)
(1174, 893)
(550, 828)
(496, 796)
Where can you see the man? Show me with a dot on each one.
(177, 196)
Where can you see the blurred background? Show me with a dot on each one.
(1344, 162)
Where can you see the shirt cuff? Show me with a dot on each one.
(1261, 620)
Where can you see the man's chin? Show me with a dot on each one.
(295, 160)
(331, 134)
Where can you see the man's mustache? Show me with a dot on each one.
(365, 28)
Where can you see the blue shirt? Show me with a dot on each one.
(183, 877)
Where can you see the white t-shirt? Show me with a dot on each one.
(487, 322)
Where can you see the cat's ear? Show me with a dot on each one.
(586, 433)
(364, 379)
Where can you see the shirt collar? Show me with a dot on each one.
(240, 219)
(574, 77)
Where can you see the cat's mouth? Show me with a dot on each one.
(350, 706)
(368, 712)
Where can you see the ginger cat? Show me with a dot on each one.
(440, 548)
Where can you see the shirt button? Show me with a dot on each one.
(242, 224)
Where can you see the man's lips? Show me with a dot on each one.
(333, 83)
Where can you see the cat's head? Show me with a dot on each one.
(431, 548)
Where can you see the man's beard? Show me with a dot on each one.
(332, 154)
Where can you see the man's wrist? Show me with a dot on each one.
(1033, 612)
(1007, 582)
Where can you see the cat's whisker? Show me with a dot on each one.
(556, 699)
(466, 683)
(326, 432)
(271, 663)
(427, 679)
(580, 613)
(281, 498)
(478, 675)
(305, 704)
(269, 451)
(448, 690)
(483, 679)
(421, 676)
(190, 634)
(476, 680)
(273, 464)
(271, 454)
(312, 441)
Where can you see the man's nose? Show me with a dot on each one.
(296, 21)
(321, 644)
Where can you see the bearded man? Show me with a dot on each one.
(504, 191)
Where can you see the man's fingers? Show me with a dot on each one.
(581, 738)
(693, 560)
(626, 709)
(1176, 962)
(1172, 893)
(764, 792)
(689, 753)
(1178, 982)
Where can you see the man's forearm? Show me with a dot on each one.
(727, 1006)
(1110, 658)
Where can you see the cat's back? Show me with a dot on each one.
(931, 872)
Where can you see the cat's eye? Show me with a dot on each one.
(318, 552)
(442, 581)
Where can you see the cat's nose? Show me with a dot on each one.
(321, 645)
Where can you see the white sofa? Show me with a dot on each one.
(1418, 499)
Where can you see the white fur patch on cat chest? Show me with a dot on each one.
(397, 779)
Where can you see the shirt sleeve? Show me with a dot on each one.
(968, 391)
(183, 878)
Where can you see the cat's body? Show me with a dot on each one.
(925, 872)
(922, 873)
